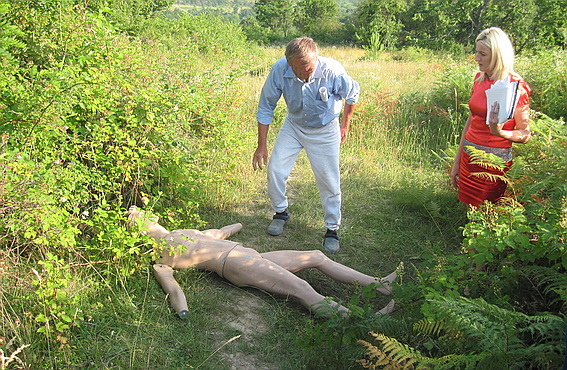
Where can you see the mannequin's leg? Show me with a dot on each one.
(246, 267)
(295, 261)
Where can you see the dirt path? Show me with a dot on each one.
(243, 314)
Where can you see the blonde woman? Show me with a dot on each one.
(495, 58)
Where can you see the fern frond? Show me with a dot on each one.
(484, 159)
(469, 313)
(491, 328)
(502, 335)
(552, 281)
(546, 327)
(486, 164)
(492, 177)
(396, 355)
(400, 355)
(390, 325)
(436, 329)
(376, 357)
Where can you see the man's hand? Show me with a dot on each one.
(260, 158)
(345, 120)
(344, 133)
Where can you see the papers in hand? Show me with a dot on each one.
(507, 95)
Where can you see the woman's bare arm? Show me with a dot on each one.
(521, 133)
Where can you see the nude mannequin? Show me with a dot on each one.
(272, 271)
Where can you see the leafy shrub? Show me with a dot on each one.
(335, 337)
(484, 336)
(203, 35)
(435, 118)
(94, 124)
(9, 35)
(546, 71)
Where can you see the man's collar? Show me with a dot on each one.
(318, 69)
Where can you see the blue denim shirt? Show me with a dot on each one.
(305, 106)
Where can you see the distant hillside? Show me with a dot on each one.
(345, 6)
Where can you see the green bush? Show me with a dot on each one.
(93, 124)
(545, 72)
(477, 335)
(431, 119)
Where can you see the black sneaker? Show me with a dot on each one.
(331, 242)
(277, 224)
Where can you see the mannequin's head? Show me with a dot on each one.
(142, 219)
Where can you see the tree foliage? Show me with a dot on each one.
(434, 24)
(529, 23)
(276, 15)
(126, 15)
(378, 23)
(317, 18)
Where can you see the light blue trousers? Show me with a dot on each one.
(322, 147)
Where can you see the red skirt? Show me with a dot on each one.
(473, 189)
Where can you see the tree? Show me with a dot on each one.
(378, 23)
(276, 15)
(438, 24)
(441, 23)
(549, 26)
(127, 15)
(317, 17)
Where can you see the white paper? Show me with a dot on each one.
(507, 94)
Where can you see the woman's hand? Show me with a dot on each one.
(521, 134)
(455, 175)
(495, 127)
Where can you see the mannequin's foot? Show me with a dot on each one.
(385, 287)
(389, 308)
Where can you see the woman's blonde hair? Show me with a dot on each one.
(502, 61)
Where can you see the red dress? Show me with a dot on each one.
(473, 189)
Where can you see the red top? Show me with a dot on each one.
(479, 131)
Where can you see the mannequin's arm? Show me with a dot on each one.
(223, 232)
(164, 275)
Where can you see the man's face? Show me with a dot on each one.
(303, 67)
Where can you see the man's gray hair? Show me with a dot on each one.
(300, 47)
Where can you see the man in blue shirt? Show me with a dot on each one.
(313, 88)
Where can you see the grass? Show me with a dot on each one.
(396, 205)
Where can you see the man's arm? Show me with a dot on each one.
(269, 97)
(345, 122)
(260, 158)
(164, 275)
